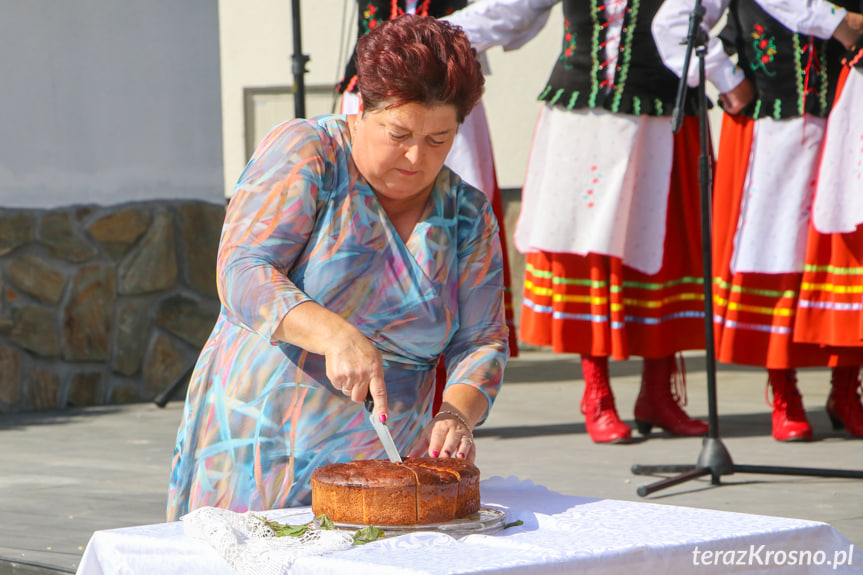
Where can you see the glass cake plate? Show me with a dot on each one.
(486, 520)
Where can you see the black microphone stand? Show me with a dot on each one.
(299, 60)
(714, 458)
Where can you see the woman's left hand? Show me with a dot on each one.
(738, 98)
(448, 435)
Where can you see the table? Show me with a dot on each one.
(559, 534)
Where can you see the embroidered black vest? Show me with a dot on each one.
(642, 83)
(793, 74)
(372, 12)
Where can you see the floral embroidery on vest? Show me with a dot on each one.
(568, 44)
(765, 49)
(608, 59)
(370, 18)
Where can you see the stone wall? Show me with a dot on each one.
(103, 305)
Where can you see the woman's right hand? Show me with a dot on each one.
(355, 366)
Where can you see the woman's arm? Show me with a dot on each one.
(269, 221)
(477, 354)
(670, 27)
(817, 18)
(507, 23)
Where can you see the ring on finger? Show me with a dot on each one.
(468, 439)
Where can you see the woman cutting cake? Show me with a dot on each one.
(351, 259)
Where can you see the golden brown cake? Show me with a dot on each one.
(468, 481)
(419, 491)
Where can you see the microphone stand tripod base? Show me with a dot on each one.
(714, 460)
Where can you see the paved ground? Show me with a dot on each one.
(68, 473)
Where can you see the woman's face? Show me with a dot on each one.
(400, 150)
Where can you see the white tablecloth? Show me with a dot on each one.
(560, 534)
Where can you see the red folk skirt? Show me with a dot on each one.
(757, 315)
(596, 305)
(831, 291)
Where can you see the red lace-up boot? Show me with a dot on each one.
(843, 405)
(597, 404)
(663, 392)
(789, 417)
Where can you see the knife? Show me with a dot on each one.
(383, 431)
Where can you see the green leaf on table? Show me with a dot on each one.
(291, 530)
(325, 522)
(274, 525)
(367, 534)
(283, 529)
(515, 523)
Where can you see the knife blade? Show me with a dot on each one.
(383, 432)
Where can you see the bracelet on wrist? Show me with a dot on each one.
(458, 417)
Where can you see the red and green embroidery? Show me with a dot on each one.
(811, 75)
(596, 51)
(568, 44)
(370, 18)
(607, 88)
(630, 18)
(765, 50)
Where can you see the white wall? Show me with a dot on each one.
(109, 101)
(256, 51)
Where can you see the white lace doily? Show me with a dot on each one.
(251, 548)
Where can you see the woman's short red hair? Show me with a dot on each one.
(418, 59)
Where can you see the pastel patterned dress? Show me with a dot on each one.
(303, 225)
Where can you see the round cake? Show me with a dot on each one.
(418, 491)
